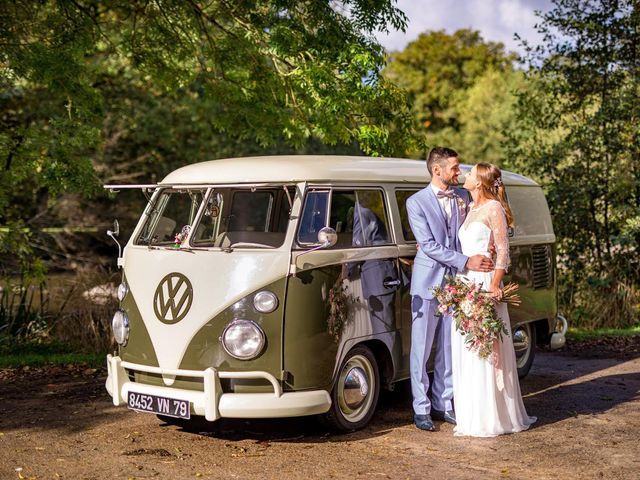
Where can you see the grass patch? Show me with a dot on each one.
(586, 334)
(39, 355)
(57, 359)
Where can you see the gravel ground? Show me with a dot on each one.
(59, 423)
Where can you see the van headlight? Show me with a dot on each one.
(122, 291)
(265, 301)
(120, 327)
(243, 339)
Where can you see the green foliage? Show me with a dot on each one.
(452, 83)
(75, 310)
(24, 312)
(265, 71)
(584, 334)
(14, 355)
(578, 133)
(61, 359)
(486, 114)
(123, 91)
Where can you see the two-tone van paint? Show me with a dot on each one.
(279, 286)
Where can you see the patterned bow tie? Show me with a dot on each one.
(445, 193)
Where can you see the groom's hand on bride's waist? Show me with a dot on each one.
(479, 263)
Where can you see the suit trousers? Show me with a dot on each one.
(427, 326)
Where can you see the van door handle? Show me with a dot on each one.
(390, 283)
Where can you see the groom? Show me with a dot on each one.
(435, 214)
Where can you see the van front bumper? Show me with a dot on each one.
(558, 338)
(212, 403)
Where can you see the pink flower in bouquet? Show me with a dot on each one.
(474, 313)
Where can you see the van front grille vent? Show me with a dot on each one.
(541, 262)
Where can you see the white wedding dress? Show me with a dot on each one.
(486, 392)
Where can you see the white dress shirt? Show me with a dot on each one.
(445, 203)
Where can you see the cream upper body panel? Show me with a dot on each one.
(312, 168)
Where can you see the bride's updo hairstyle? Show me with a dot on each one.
(491, 186)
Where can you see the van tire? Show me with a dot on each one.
(524, 336)
(348, 410)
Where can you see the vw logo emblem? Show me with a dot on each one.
(173, 298)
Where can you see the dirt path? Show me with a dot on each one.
(58, 423)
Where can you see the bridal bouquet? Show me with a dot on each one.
(474, 312)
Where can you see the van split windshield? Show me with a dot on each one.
(217, 217)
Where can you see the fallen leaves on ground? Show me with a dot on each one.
(605, 346)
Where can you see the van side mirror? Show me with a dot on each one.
(327, 237)
(113, 234)
(116, 229)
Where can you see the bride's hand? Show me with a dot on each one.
(496, 293)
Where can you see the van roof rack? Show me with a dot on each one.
(115, 188)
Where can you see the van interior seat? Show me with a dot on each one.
(226, 239)
(345, 240)
(165, 229)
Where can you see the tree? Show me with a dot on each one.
(437, 70)
(273, 68)
(486, 112)
(265, 72)
(579, 134)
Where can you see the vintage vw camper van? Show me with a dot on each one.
(279, 286)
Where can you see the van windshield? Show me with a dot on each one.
(218, 217)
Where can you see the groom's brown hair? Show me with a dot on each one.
(439, 155)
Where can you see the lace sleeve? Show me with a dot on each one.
(498, 225)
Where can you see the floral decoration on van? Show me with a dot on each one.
(340, 303)
(180, 237)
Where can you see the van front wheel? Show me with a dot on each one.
(355, 394)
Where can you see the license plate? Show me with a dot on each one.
(170, 407)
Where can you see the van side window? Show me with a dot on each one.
(358, 217)
(401, 198)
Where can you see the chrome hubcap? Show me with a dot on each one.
(521, 344)
(355, 387)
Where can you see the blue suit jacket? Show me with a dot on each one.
(439, 252)
(369, 230)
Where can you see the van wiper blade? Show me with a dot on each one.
(173, 249)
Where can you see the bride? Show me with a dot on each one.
(486, 391)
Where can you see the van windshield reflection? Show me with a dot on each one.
(220, 217)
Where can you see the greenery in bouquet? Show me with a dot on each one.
(474, 312)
